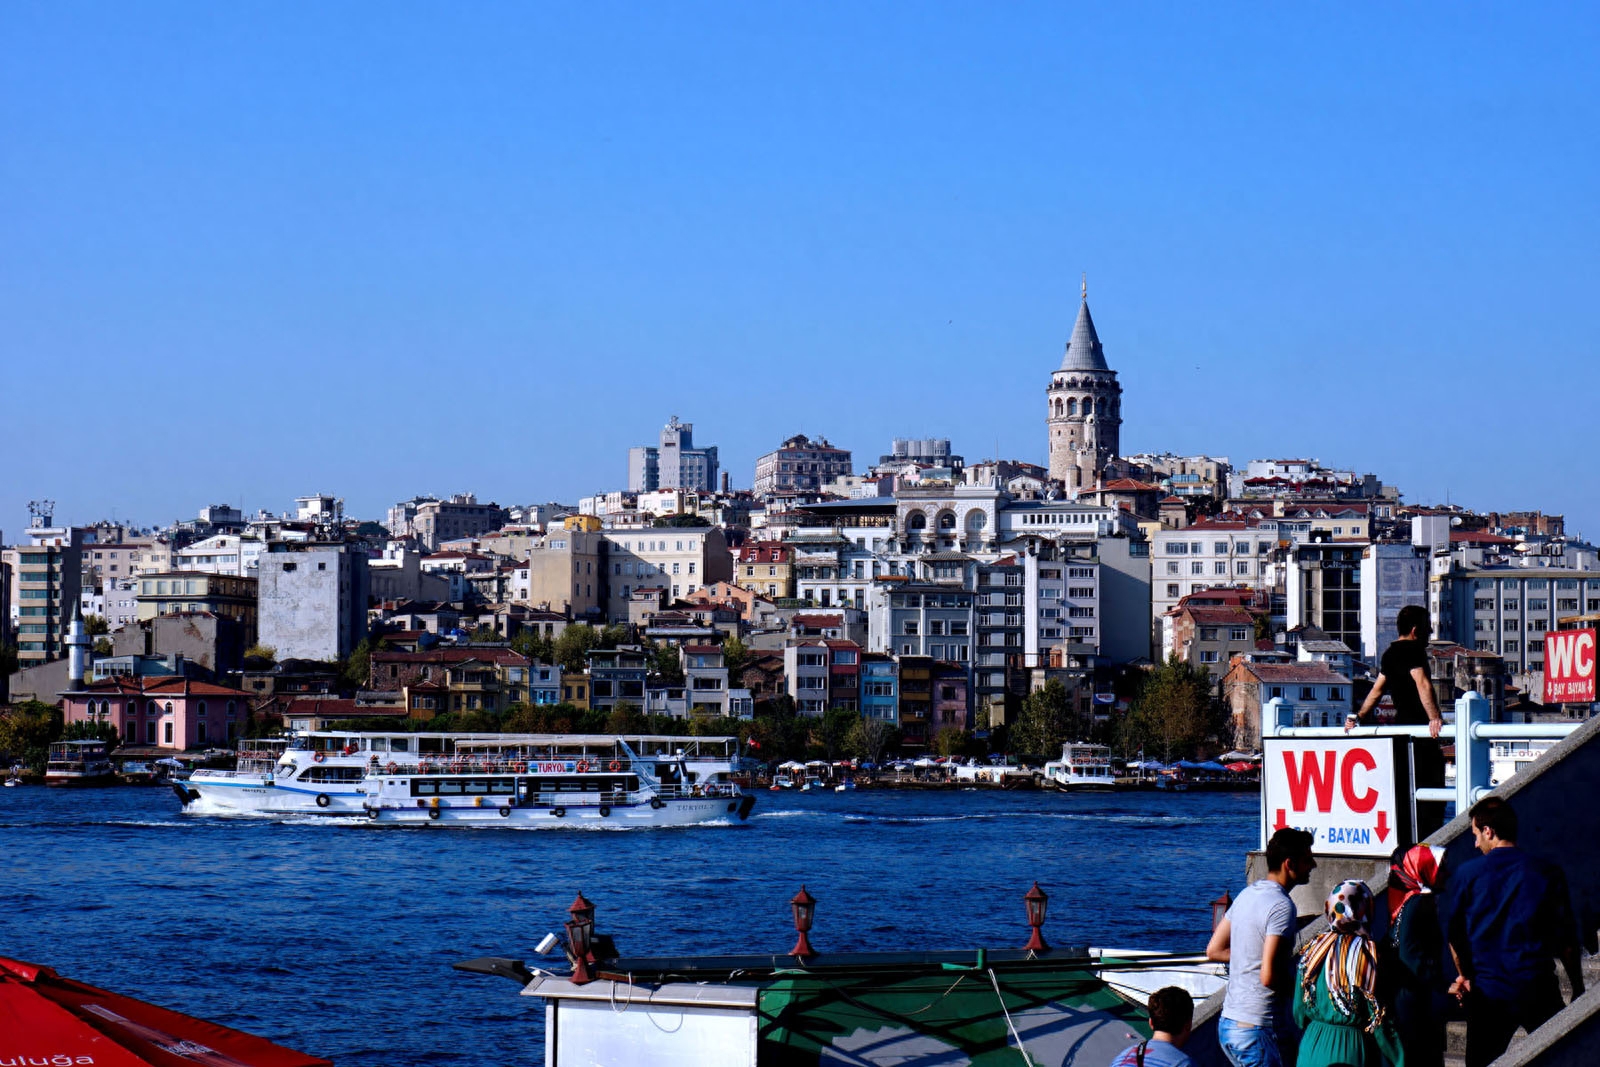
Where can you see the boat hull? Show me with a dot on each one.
(686, 811)
(73, 780)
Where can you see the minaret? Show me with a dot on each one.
(1084, 413)
(77, 643)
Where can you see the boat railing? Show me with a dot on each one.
(427, 768)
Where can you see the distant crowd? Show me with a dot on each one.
(1379, 985)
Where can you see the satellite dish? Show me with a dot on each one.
(1455, 520)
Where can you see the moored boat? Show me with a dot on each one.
(1081, 766)
(79, 763)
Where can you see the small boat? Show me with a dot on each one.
(14, 777)
(783, 781)
(1173, 782)
(79, 763)
(845, 786)
(812, 784)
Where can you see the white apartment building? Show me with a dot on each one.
(222, 554)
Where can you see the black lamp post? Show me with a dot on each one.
(1219, 909)
(580, 939)
(1038, 903)
(805, 909)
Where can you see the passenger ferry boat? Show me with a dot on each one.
(1081, 766)
(507, 779)
(79, 763)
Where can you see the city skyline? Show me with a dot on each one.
(509, 244)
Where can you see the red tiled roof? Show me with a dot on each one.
(160, 685)
(765, 552)
(1171, 500)
(1129, 485)
(702, 649)
(818, 621)
(1479, 537)
(1216, 616)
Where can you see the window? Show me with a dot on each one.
(958, 629)
(1208, 655)
(1220, 567)
(1242, 567)
(1275, 692)
(910, 628)
(1238, 633)
(1219, 548)
(322, 566)
(1513, 646)
(1197, 567)
(1208, 633)
(166, 732)
(1172, 590)
(1509, 624)
(1567, 603)
(287, 567)
(1336, 693)
(1172, 566)
(1307, 693)
(1177, 548)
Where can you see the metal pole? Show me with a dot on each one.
(1472, 752)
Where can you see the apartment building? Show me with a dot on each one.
(798, 466)
(312, 599)
(47, 580)
(181, 592)
(680, 560)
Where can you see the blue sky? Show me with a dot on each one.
(250, 251)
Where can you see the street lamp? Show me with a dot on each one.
(580, 939)
(1219, 910)
(1038, 902)
(805, 909)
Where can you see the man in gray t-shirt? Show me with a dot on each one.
(1256, 941)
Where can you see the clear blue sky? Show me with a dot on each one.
(250, 251)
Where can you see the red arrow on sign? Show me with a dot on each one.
(1383, 826)
(1282, 822)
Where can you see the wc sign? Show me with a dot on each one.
(1352, 794)
(1569, 666)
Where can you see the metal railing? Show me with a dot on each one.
(1471, 731)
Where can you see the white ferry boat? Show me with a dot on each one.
(543, 779)
(1081, 766)
(79, 763)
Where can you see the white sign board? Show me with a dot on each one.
(1345, 791)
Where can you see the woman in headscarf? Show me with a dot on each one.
(1336, 999)
(1414, 956)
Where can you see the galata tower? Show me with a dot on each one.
(1085, 408)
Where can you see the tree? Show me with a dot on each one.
(103, 647)
(26, 732)
(534, 645)
(681, 520)
(95, 625)
(612, 636)
(572, 647)
(834, 730)
(666, 662)
(262, 652)
(484, 635)
(867, 739)
(356, 672)
(1174, 705)
(1042, 726)
(734, 657)
(951, 741)
(91, 731)
(624, 718)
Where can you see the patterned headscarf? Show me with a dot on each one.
(1416, 873)
(1344, 953)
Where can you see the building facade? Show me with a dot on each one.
(800, 466)
(673, 464)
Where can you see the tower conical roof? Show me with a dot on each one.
(1084, 351)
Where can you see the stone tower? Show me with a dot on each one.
(1085, 408)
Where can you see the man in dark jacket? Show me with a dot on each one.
(1510, 919)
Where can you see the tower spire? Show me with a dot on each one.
(1085, 287)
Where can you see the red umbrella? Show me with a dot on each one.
(1242, 767)
(45, 1018)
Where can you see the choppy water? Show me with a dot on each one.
(338, 939)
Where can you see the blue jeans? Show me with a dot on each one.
(1248, 1046)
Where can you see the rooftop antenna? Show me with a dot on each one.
(41, 513)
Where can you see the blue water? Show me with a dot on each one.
(338, 939)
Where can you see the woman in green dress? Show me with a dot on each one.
(1337, 996)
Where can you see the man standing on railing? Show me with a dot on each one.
(1403, 674)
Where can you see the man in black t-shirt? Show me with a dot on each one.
(1403, 674)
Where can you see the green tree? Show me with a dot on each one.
(868, 737)
(625, 718)
(356, 672)
(95, 625)
(484, 635)
(265, 652)
(681, 520)
(734, 656)
(666, 662)
(951, 741)
(1042, 726)
(91, 731)
(573, 646)
(26, 732)
(103, 647)
(1175, 704)
(612, 636)
(534, 645)
(833, 731)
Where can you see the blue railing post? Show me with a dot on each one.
(1472, 754)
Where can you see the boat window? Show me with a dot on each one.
(424, 787)
(318, 773)
(450, 787)
(378, 744)
(399, 744)
(504, 787)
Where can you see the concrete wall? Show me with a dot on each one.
(313, 601)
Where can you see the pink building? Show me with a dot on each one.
(162, 711)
